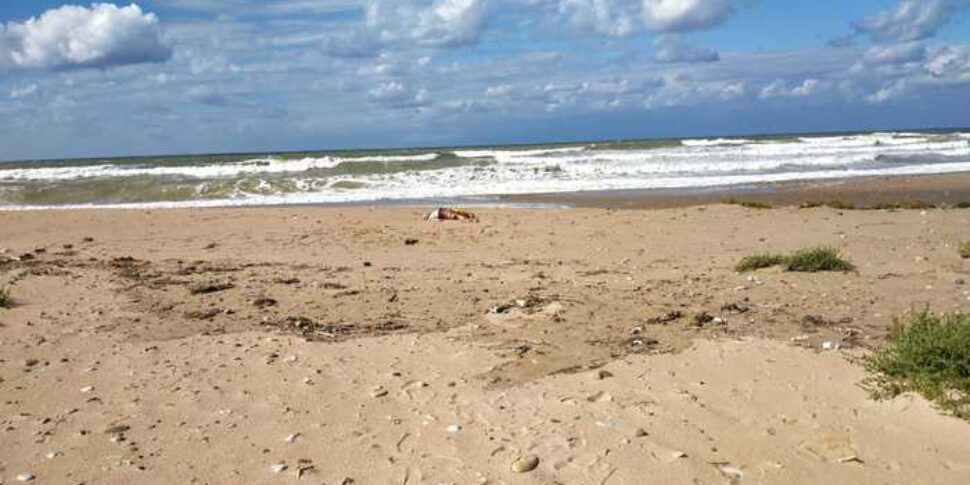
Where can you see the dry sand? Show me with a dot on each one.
(312, 345)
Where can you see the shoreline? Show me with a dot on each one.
(942, 189)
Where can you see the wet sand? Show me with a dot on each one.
(320, 345)
(948, 189)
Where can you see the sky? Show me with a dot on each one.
(215, 76)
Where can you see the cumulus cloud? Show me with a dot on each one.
(910, 20)
(101, 36)
(672, 48)
(395, 94)
(442, 23)
(620, 18)
(615, 18)
(685, 15)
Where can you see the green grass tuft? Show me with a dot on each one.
(760, 261)
(5, 299)
(806, 260)
(817, 259)
(929, 354)
(749, 204)
(964, 249)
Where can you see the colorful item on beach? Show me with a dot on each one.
(451, 214)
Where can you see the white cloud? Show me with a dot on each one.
(615, 18)
(498, 91)
(620, 18)
(673, 48)
(101, 36)
(910, 20)
(395, 94)
(895, 54)
(442, 23)
(809, 87)
(23, 91)
(685, 15)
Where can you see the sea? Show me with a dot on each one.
(473, 173)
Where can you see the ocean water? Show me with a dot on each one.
(449, 173)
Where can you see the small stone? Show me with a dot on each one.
(410, 241)
(378, 392)
(525, 464)
(640, 433)
(31, 362)
(278, 467)
(604, 374)
(678, 454)
(959, 281)
(26, 477)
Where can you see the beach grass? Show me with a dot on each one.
(964, 249)
(749, 204)
(5, 299)
(805, 261)
(760, 261)
(928, 354)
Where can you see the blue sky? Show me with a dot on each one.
(178, 76)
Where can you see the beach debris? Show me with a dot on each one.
(303, 467)
(278, 467)
(87, 389)
(735, 308)
(525, 464)
(378, 391)
(411, 241)
(209, 287)
(704, 319)
(666, 318)
(851, 459)
(451, 214)
(454, 428)
(528, 305)
(264, 302)
(292, 438)
(53, 454)
(118, 429)
(206, 314)
(831, 345)
(601, 396)
(26, 477)
(730, 471)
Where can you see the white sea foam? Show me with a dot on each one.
(218, 170)
(568, 169)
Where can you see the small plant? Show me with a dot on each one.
(4, 298)
(906, 204)
(962, 205)
(964, 249)
(817, 259)
(760, 261)
(750, 204)
(929, 354)
(806, 260)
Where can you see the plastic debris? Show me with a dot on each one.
(451, 214)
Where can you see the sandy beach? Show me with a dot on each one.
(368, 345)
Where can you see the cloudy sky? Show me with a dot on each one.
(177, 76)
